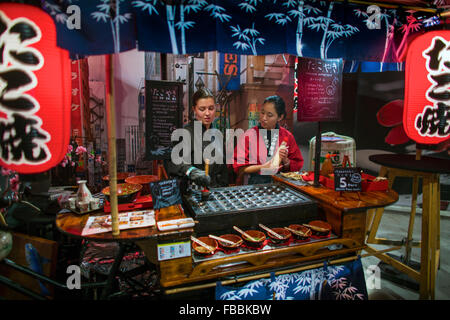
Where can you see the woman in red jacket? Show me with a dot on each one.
(257, 147)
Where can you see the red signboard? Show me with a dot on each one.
(319, 88)
(35, 90)
(76, 115)
(426, 115)
(295, 86)
(229, 65)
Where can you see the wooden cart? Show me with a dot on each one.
(346, 212)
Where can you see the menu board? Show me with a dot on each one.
(347, 179)
(165, 193)
(163, 114)
(319, 89)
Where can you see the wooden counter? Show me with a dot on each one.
(72, 224)
(349, 202)
(345, 211)
(346, 214)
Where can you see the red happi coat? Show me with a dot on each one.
(248, 152)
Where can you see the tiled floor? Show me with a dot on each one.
(394, 225)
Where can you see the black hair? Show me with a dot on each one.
(278, 102)
(202, 93)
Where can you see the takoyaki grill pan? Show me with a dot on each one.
(249, 205)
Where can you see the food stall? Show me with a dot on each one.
(239, 232)
(336, 223)
(297, 226)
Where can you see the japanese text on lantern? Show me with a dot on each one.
(22, 140)
(434, 120)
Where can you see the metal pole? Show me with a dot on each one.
(17, 287)
(317, 156)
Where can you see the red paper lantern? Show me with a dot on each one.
(34, 90)
(426, 115)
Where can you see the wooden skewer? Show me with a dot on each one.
(246, 234)
(298, 232)
(207, 167)
(316, 228)
(224, 240)
(204, 245)
(205, 190)
(271, 232)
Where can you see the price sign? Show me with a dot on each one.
(347, 179)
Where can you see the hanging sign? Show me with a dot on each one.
(319, 88)
(35, 90)
(163, 114)
(230, 65)
(295, 109)
(426, 115)
(76, 113)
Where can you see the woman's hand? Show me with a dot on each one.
(265, 165)
(257, 168)
(284, 155)
(269, 168)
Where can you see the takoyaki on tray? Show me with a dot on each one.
(248, 205)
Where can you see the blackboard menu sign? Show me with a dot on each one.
(319, 89)
(165, 193)
(347, 179)
(163, 114)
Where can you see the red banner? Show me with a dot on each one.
(76, 117)
(426, 116)
(319, 89)
(35, 95)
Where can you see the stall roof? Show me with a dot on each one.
(310, 28)
(424, 3)
(418, 3)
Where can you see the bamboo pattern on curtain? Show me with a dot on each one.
(309, 28)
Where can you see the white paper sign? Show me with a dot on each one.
(175, 250)
(127, 220)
